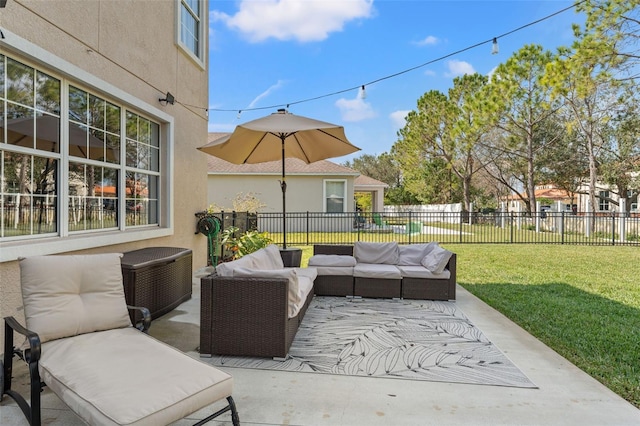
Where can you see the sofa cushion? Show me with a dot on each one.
(412, 254)
(268, 258)
(437, 260)
(310, 273)
(374, 270)
(380, 253)
(124, 377)
(332, 260)
(288, 273)
(226, 269)
(334, 270)
(419, 271)
(68, 295)
(305, 286)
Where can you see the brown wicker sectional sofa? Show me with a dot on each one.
(251, 312)
(248, 306)
(411, 280)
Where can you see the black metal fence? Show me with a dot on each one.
(308, 228)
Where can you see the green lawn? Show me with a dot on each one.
(582, 301)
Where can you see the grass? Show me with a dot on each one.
(582, 301)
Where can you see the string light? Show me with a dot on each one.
(363, 93)
(361, 88)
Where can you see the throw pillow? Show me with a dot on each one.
(412, 254)
(436, 260)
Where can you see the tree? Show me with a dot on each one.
(444, 131)
(522, 107)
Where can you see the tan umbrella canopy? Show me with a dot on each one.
(278, 136)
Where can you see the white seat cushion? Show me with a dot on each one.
(125, 377)
(412, 271)
(310, 273)
(369, 270)
(305, 286)
(334, 270)
(69, 295)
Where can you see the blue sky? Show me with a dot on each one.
(271, 52)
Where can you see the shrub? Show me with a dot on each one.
(246, 243)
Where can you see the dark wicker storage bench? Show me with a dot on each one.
(158, 278)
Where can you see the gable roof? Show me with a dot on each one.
(293, 166)
(363, 182)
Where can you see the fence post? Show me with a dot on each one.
(587, 219)
(512, 228)
(537, 218)
(622, 225)
(307, 233)
(470, 214)
(460, 225)
(562, 227)
(613, 228)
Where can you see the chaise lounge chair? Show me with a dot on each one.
(81, 344)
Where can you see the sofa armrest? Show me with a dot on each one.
(451, 266)
(243, 315)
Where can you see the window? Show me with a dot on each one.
(603, 201)
(191, 28)
(334, 196)
(104, 188)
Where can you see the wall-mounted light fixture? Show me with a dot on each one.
(3, 3)
(169, 99)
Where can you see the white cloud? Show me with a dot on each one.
(428, 41)
(430, 73)
(399, 118)
(353, 110)
(266, 93)
(304, 21)
(457, 68)
(492, 72)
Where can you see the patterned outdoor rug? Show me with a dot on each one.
(403, 339)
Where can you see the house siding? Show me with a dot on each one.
(128, 46)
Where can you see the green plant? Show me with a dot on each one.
(246, 243)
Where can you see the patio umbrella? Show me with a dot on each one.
(278, 136)
(46, 129)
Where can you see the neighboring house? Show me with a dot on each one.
(608, 200)
(320, 187)
(91, 159)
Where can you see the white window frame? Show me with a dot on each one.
(33, 55)
(603, 203)
(198, 57)
(324, 194)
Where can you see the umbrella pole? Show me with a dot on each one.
(283, 185)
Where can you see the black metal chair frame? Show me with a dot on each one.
(31, 356)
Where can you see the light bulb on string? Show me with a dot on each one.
(239, 114)
(363, 93)
(494, 47)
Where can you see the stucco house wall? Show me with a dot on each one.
(128, 53)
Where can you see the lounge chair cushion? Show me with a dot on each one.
(412, 254)
(436, 260)
(419, 271)
(124, 377)
(332, 260)
(384, 253)
(287, 273)
(84, 293)
(373, 270)
(334, 270)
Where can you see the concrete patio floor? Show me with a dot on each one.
(566, 395)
